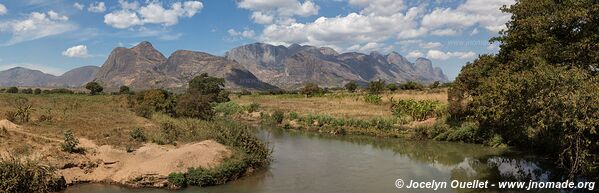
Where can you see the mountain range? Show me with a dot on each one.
(255, 66)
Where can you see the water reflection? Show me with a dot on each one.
(308, 162)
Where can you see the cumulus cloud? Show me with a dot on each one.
(78, 6)
(35, 26)
(132, 14)
(247, 33)
(440, 55)
(379, 7)
(265, 11)
(78, 51)
(415, 54)
(3, 9)
(485, 13)
(97, 7)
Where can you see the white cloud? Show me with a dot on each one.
(247, 33)
(97, 7)
(78, 51)
(37, 25)
(132, 14)
(379, 7)
(262, 18)
(266, 11)
(3, 9)
(344, 31)
(444, 32)
(78, 6)
(431, 45)
(415, 54)
(369, 47)
(474, 31)
(485, 13)
(122, 19)
(440, 55)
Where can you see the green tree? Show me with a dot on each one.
(376, 87)
(37, 91)
(540, 90)
(351, 86)
(392, 87)
(27, 91)
(124, 90)
(94, 88)
(311, 89)
(12, 90)
(210, 86)
(195, 105)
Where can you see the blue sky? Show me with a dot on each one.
(55, 36)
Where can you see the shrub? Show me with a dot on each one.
(228, 108)
(24, 110)
(94, 88)
(373, 99)
(169, 132)
(195, 106)
(27, 91)
(12, 90)
(351, 86)
(70, 142)
(293, 115)
(28, 176)
(376, 87)
(418, 110)
(435, 84)
(392, 87)
(155, 100)
(199, 177)
(410, 85)
(138, 134)
(37, 91)
(143, 111)
(124, 90)
(467, 132)
(311, 89)
(252, 107)
(278, 117)
(177, 179)
(11, 116)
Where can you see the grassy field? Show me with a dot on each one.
(338, 104)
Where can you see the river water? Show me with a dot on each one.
(305, 162)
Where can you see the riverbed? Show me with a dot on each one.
(308, 162)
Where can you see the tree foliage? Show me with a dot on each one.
(541, 90)
(376, 87)
(351, 86)
(94, 88)
(311, 89)
(210, 86)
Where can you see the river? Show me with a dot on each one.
(305, 162)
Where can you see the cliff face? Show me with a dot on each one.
(290, 67)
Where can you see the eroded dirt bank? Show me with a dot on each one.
(148, 166)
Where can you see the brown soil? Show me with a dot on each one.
(147, 166)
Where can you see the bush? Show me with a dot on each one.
(228, 108)
(27, 91)
(418, 110)
(143, 111)
(351, 86)
(12, 90)
(195, 106)
(392, 87)
(70, 143)
(124, 90)
(252, 107)
(376, 87)
(28, 176)
(153, 100)
(94, 88)
(278, 117)
(37, 91)
(138, 134)
(199, 177)
(293, 115)
(209, 86)
(410, 86)
(11, 116)
(177, 179)
(311, 89)
(169, 133)
(373, 99)
(24, 110)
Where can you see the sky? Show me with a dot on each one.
(59, 35)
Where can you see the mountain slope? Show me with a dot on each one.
(290, 67)
(20, 76)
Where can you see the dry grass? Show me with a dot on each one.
(104, 119)
(339, 104)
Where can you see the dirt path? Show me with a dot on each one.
(11, 127)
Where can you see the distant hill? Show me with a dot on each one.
(20, 76)
(143, 67)
(290, 67)
(255, 66)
